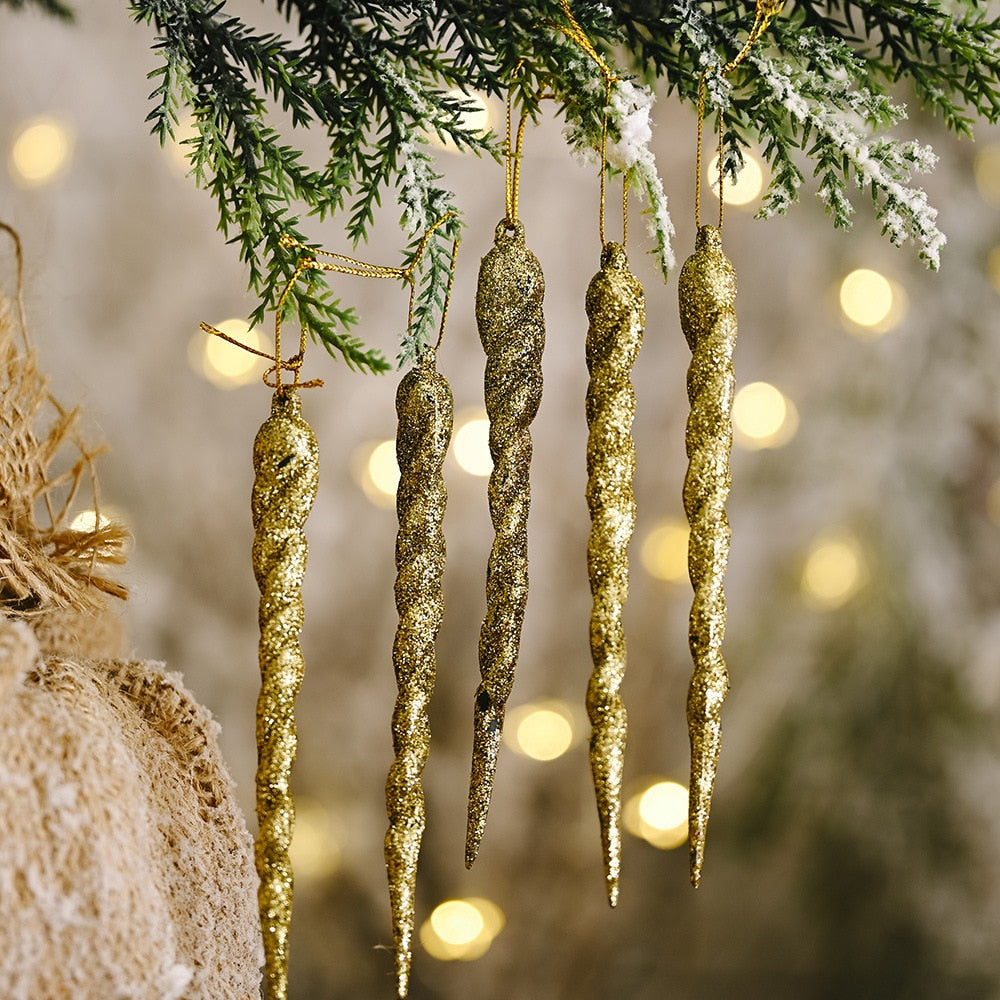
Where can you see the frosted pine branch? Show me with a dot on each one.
(842, 150)
(378, 79)
(630, 134)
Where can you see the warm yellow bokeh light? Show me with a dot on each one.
(383, 470)
(471, 444)
(870, 302)
(987, 170)
(748, 186)
(659, 814)
(542, 730)
(664, 805)
(89, 520)
(834, 570)
(993, 267)
(476, 120)
(763, 416)
(493, 917)
(315, 850)
(457, 922)
(373, 465)
(40, 152)
(227, 361)
(664, 551)
(461, 929)
(226, 365)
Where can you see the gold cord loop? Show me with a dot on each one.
(578, 35)
(340, 264)
(765, 12)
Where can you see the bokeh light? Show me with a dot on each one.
(834, 570)
(376, 471)
(225, 365)
(40, 153)
(476, 120)
(748, 185)
(471, 442)
(763, 416)
(871, 304)
(987, 172)
(176, 150)
(658, 813)
(461, 929)
(89, 520)
(664, 551)
(315, 850)
(541, 730)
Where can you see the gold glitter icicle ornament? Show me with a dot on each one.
(425, 409)
(707, 293)
(286, 467)
(286, 478)
(512, 330)
(616, 309)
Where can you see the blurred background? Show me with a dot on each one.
(855, 839)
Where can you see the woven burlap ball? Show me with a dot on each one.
(126, 869)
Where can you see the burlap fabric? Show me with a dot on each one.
(126, 868)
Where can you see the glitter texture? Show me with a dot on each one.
(425, 410)
(617, 312)
(512, 329)
(286, 467)
(707, 293)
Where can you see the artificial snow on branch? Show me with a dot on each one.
(380, 78)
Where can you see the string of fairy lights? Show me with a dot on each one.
(40, 153)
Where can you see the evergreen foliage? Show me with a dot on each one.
(376, 78)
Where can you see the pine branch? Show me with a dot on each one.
(382, 78)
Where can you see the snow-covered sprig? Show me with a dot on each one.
(424, 204)
(628, 151)
(838, 121)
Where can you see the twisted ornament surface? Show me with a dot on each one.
(286, 467)
(617, 312)
(707, 293)
(512, 330)
(425, 410)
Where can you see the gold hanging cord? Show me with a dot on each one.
(766, 11)
(577, 34)
(512, 153)
(340, 264)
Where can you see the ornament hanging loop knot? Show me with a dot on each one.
(340, 264)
